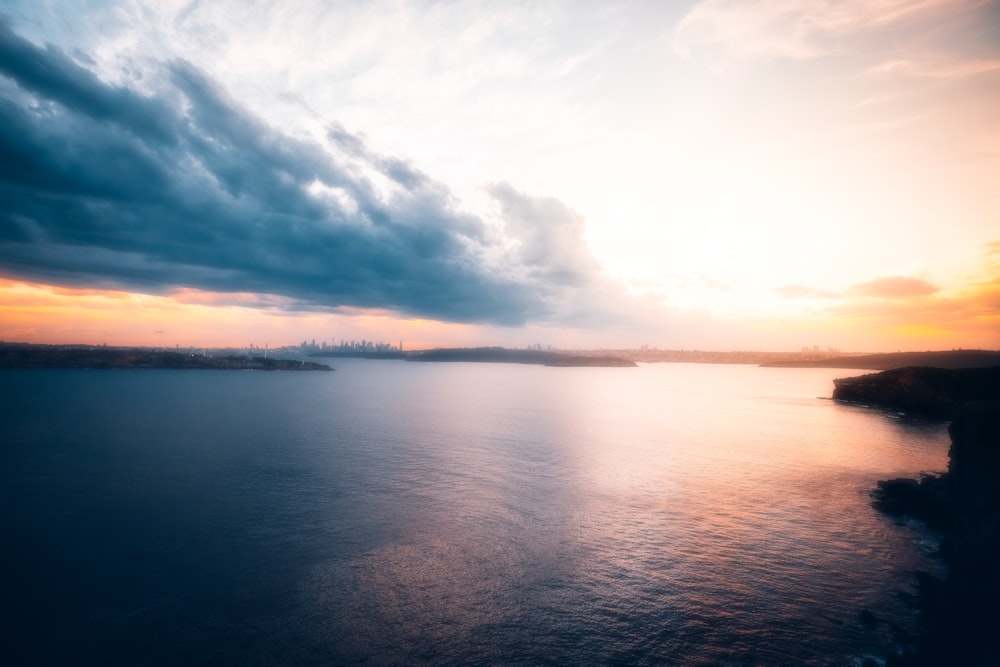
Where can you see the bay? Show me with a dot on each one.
(416, 513)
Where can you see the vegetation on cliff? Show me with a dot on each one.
(921, 391)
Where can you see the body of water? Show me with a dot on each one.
(453, 514)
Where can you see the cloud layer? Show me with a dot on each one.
(796, 29)
(895, 287)
(179, 186)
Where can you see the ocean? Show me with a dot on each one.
(401, 513)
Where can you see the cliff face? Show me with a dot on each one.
(974, 476)
(961, 614)
(921, 391)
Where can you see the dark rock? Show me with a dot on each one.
(868, 619)
(927, 499)
(974, 468)
(959, 614)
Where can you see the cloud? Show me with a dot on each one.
(547, 247)
(802, 292)
(723, 30)
(991, 259)
(895, 287)
(183, 187)
(899, 308)
(548, 234)
(935, 68)
(971, 317)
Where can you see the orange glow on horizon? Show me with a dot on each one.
(768, 177)
(37, 313)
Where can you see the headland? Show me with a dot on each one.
(85, 356)
(513, 356)
(886, 361)
(921, 391)
(957, 613)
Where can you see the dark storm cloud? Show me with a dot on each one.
(49, 73)
(105, 185)
(400, 171)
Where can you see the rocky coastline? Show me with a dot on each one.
(921, 391)
(959, 614)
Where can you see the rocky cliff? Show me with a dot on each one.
(960, 615)
(973, 544)
(921, 391)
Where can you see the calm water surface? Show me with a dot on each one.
(408, 513)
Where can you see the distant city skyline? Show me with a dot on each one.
(710, 174)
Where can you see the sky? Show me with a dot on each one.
(713, 174)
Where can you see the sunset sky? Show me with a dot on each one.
(721, 174)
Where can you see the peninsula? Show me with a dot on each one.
(509, 356)
(79, 356)
(886, 361)
(957, 613)
(921, 391)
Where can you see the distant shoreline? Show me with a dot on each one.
(513, 356)
(885, 361)
(45, 356)
(35, 355)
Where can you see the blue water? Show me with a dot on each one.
(447, 514)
